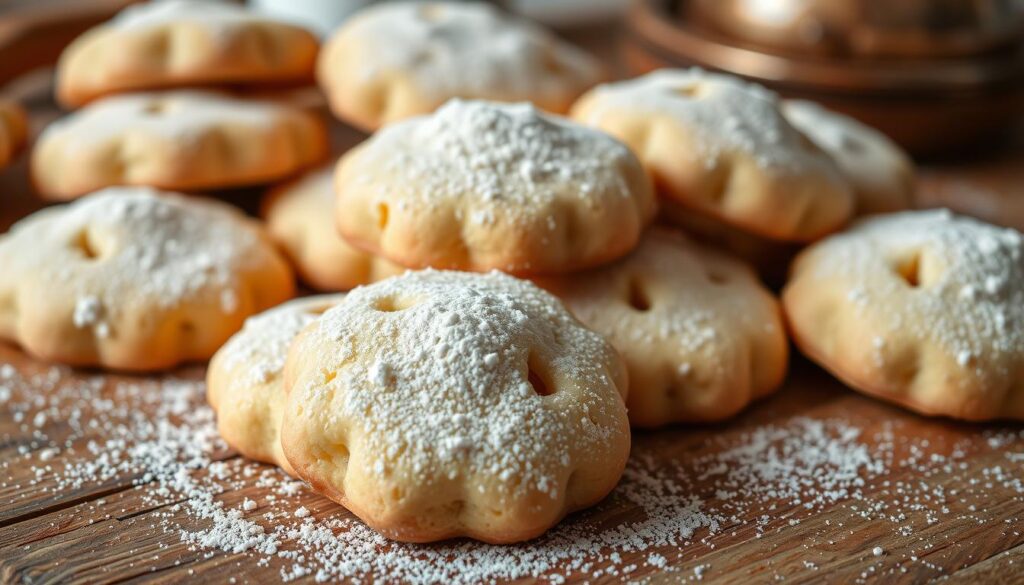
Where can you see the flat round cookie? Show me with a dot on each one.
(134, 279)
(300, 218)
(924, 309)
(480, 186)
(881, 174)
(701, 337)
(720, 147)
(435, 405)
(181, 43)
(13, 130)
(403, 59)
(244, 383)
(181, 140)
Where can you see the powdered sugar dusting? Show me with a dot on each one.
(159, 436)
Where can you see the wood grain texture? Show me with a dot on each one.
(946, 507)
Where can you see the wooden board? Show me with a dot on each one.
(806, 486)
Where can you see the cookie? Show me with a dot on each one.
(135, 279)
(442, 404)
(923, 309)
(181, 140)
(300, 218)
(720, 147)
(403, 59)
(180, 43)
(881, 174)
(244, 384)
(481, 185)
(13, 131)
(699, 334)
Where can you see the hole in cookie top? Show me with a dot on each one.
(537, 377)
(154, 108)
(84, 243)
(382, 215)
(910, 270)
(391, 304)
(638, 298)
(716, 277)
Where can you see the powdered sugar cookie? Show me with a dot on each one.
(481, 186)
(181, 43)
(881, 174)
(134, 279)
(300, 218)
(720, 147)
(13, 130)
(175, 140)
(244, 383)
(442, 404)
(402, 59)
(925, 309)
(700, 335)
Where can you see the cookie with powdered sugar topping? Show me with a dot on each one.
(924, 309)
(881, 173)
(401, 59)
(244, 383)
(441, 404)
(175, 140)
(720, 147)
(135, 279)
(480, 185)
(184, 43)
(701, 336)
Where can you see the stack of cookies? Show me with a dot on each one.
(545, 281)
(156, 92)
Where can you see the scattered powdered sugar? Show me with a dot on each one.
(466, 49)
(496, 157)
(775, 480)
(725, 113)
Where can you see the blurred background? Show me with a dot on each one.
(943, 78)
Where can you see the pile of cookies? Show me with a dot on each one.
(528, 311)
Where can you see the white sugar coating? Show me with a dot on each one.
(466, 49)
(159, 436)
(412, 351)
(176, 114)
(726, 114)
(969, 280)
(262, 345)
(215, 14)
(509, 156)
(156, 248)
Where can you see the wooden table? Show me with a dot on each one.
(814, 484)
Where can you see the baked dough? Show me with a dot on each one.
(720, 147)
(179, 43)
(134, 279)
(441, 404)
(881, 174)
(702, 338)
(13, 130)
(175, 140)
(402, 59)
(481, 185)
(244, 383)
(924, 309)
(300, 218)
